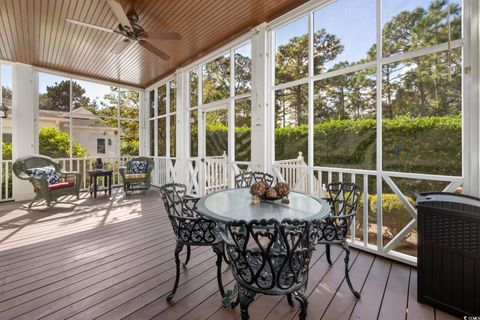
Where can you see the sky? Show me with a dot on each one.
(352, 21)
(94, 91)
(6, 75)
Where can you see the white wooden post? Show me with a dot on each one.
(471, 100)
(182, 134)
(260, 100)
(143, 124)
(24, 124)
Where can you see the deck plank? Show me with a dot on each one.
(372, 293)
(395, 299)
(112, 259)
(52, 251)
(104, 300)
(417, 310)
(344, 301)
(319, 276)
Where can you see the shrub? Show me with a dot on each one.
(7, 151)
(410, 144)
(56, 144)
(395, 215)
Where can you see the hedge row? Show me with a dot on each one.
(410, 144)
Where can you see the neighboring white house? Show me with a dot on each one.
(88, 129)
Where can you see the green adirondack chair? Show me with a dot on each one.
(68, 184)
(136, 181)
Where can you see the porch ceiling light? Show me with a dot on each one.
(3, 111)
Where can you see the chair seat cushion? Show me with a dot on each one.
(137, 167)
(135, 176)
(47, 172)
(61, 185)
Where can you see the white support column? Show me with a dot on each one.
(471, 99)
(182, 134)
(24, 124)
(231, 123)
(143, 124)
(260, 100)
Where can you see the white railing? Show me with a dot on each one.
(293, 171)
(218, 174)
(83, 165)
(6, 176)
(371, 237)
(165, 170)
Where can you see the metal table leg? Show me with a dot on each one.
(110, 176)
(95, 186)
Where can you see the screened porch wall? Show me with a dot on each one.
(386, 220)
(309, 170)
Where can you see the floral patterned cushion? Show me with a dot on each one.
(138, 166)
(47, 172)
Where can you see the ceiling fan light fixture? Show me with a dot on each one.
(129, 28)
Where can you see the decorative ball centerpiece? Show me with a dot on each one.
(283, 191)
(271, 193)
(262, 190)
(257, 190)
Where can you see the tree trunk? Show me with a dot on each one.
(423, 99)
(298, 105)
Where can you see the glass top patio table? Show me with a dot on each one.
(236, 204)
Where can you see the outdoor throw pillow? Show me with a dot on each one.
(138, 166)
(47, 172)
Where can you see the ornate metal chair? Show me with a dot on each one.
(270, 257)
(246, 179)
(190, 228)
(45, 186)
(137, 171)
(343, 198)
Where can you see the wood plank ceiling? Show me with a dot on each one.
(35, 32)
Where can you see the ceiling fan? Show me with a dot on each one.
(129, 28)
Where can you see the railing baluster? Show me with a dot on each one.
(1, 184)
(7, 179)
(353, 225)
(365, 210)
(83, 173)
(320, 183)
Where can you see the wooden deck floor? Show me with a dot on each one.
(113, 259)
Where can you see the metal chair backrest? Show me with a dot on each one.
(246, 179)
(344, 197)
(173, 196)
(269, 256)
(188, 224)
(243, 180)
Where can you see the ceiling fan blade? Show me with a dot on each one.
(122, 45)
(88, 25)
(153, 49)
(163, 35)
(119, 13)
